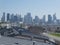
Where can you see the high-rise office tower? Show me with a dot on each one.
(3, 17)
(15, 18)
(36, 20)
(12, 18)
(58, 21)
(49, 19)
(20, 19)
(44, 19)
(8, 16)
(54, 17)
(28, 19)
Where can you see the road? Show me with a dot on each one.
(57, 39)
(15, 41)
(52, 37)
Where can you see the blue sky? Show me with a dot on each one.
(36, 7)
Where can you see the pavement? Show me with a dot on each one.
(15, 41)
(52, 37)
(56, 39)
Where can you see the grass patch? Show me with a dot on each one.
(55, 34)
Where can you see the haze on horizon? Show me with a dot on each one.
(35, 7)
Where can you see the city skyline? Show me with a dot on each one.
(28, 19)
(46, 16)
(43, 16)
(36, 7)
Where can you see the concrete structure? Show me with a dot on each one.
(3, 17)
(36, 20)
(49, 19)
(16, 41)
(28, 19)
(8, 17)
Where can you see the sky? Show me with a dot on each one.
(35, 7)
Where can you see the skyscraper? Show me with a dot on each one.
(8, 16)
(49, 19)
(54, 17)
(36, 20)
(12, 18)
(44, 19)
(20, 19)
(15, 18)
(3, 17)
(28, 19)
(58, 21)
